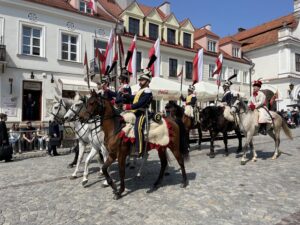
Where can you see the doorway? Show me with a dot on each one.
(32, 101)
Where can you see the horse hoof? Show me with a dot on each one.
(117, 196)
(238, 151)
(226, 154)
(70, 165)
(183, 185)
(243, 163)
(73, 177)
(254, 160)
(211, 155)
(83, 183)
(154, 188)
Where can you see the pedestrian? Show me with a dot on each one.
(14, 137)
(54, 138)
(29, 104)
(5, 149)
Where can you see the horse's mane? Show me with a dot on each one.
(243, 105)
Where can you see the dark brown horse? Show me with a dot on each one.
(111, 124)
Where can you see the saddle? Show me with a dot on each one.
(159, 133)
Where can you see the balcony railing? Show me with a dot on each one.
(2, 53)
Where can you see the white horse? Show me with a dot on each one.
(87, 133)
(60, 108)
(248, 122)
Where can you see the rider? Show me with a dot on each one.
(228, 95)
(125, 89)
(191, 100)
(105, 90)
(141, 102)
(258, 101)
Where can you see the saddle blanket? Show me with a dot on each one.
(159, 133)
(189, 111)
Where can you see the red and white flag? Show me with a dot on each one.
(86, 68)
(180, 73)
(198, 67)
(109, 52)
(132, 62)
(217, 72)
(91, 4)
(155, 50)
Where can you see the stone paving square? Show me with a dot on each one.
(38, 191)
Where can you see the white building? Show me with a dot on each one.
(44, 45)
(274, 48)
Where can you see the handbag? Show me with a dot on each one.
(6, 152)
(54, 141)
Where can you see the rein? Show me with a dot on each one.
(56, 117)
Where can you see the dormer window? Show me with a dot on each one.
(211, 46)
(83, 7)
(153, 31)
(134, 26)
(171, 36)
(187, 40)
(236, 52)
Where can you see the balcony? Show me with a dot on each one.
(3, 58)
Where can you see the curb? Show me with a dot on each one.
(38, 153)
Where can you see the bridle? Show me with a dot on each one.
(60, 106)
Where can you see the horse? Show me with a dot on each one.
(178, 114)
(87, 133)
(248, 122)
(118, 148)
(212, 119)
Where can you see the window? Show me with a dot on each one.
(83, 7)
(101, 46)
(69, 48)
(153, 31)
(171, 36)
(31, 40)
(188, 70)
(237, 78)
(187, 40)
(211, 46)
(211, 70)
(246, 79)
(173, 67)
(236, 52)
(134, 26)
(138, 61)
(297, 62)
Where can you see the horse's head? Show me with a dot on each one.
(238, 106)
(95, 106)
(75, 109)
(58, 111)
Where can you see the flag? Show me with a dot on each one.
(109, 52)
(218, 69)
(132, 60)
(181, 72)
(155, 52)
(86, 68)
(121, 47)
(198, 66)
(92, 5)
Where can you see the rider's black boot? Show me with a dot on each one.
(263, 129)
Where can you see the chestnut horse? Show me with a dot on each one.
(112, 126)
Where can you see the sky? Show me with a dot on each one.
(226, 16)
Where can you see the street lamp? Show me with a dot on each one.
(32, 75)
(10, 80)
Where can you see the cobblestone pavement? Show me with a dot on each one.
(221, 191)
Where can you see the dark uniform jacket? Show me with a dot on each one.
(3, 133)
(141, 101)
(227, 97)
(125, 89)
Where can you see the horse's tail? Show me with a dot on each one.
(286, 129)
(183, 145)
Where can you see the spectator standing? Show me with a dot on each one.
(14, 138)
(41, 136)
(4, 142)
(29, 135)
(54, 138)
(29, 107)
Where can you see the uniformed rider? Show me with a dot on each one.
(258, 101)
(105, 90)
(191, 99)
(124, 89)
(228, 95)
(141, 102)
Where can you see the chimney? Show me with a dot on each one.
(241, 29)
(165, 8)
(297, 8)
(207, 27)
(123, 3)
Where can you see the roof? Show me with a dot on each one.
(65, 5)
(265, 34)
(111, 7)
(228, 39)
(203, 32)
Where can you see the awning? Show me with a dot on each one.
(76, 85)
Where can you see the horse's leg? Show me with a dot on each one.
(144, 159)
(239, 136)
(187, 133)
(254, 157)
(123, 152)
(80, 157)
(225, 140)
(90, 156)
(245, 148)
(163, 164)
(110, 159)
(276, 138)
(213, 135)
(200, 136)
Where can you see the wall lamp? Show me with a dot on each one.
(52, 78)
(32, 75)
(10, 80)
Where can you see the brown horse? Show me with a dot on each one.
(117, 148)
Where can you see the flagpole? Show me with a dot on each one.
(87, 69)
